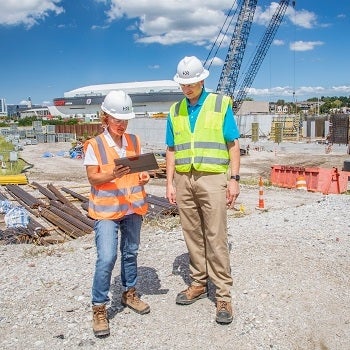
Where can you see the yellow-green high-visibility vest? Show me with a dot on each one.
(205, 149)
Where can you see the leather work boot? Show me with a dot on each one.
(191, 294)
(223, 312)
(100, 323)
(132, 300)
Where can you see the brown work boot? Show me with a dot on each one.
(223, 312)
(100, 323)
(191, 294)
(132, 300)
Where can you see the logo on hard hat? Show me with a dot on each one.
(186, 72)
(126, 108)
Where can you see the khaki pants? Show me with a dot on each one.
(201, 200)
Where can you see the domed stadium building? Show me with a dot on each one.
(150, 98)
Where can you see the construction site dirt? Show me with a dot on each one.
(66, 172)
(290, 263)
(52, 165)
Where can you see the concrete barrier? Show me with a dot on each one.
(322, 180)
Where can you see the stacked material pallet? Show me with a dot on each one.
(285, 128)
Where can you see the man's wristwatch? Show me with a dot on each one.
(235, 177)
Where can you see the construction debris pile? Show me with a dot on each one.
(54, 218)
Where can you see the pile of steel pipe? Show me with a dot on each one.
(160, 207)
(20, 235)
(61, 197)
(36, 229)
(3, 197)
(76, 213)
(44, 191)
(62, 224)
(72, 220)
(75, 195)
(25, 197)
(65, 216)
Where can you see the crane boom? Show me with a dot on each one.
(234, 57)
(260, 53)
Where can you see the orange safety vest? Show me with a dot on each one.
(112, 200)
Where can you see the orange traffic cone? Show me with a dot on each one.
(261, 204)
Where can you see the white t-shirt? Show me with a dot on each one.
(90, 157)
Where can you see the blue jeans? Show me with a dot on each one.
(106, 239)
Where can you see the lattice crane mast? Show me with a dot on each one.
(260, 53)
(233, 61)
(234, 57)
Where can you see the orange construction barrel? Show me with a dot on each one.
(301, 183)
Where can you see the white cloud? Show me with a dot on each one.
(303, 18)
(216, 61)
(343, 89)
(170, 22)
(263, 16)
(174, 21)
(304, 45)
(277, 42)
(191, 21)
(302, 92)
(29, 12)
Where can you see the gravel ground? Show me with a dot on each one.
(290, 264)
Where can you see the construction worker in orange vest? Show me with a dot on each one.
(117, 202)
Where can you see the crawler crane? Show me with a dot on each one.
(231, 68)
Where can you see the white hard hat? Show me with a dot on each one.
(190, 70)
(118, 105)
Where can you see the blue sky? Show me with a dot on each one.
(53, 46)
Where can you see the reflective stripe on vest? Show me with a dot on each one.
(102, 149)
(205, 149)
(112, 200)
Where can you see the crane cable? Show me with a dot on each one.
(223, 36)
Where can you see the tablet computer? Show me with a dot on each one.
(142, 162)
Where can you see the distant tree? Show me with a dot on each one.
(325, 107)
(337, 104)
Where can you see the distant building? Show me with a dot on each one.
(149, 98)
(306, 106)
(254, 107)
(42, 112)
(14, 111)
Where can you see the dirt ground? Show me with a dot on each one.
(50, 163)
(61, 169)
(290, 265)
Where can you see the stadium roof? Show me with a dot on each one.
(131, 87)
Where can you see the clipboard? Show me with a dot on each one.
(142, 162)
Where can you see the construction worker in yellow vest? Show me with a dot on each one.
(117, 202)
(202, 148)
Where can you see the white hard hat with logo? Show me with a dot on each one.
(118, 105)
(190, 70)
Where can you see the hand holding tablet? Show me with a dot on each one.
(139, 163)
